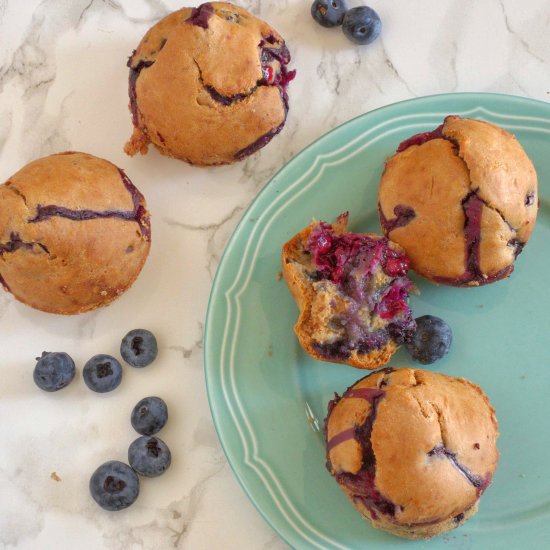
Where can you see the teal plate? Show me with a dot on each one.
(268, 398)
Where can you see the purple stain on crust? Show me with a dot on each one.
(419, 139)
(364, 393)
(274, 63)
(132, 79)
(344, 435)
(274, 73)
(530, 198)
(200, 16)
(403, 216)
(135, 71)
(473, 209)
(52, 210)
(423, 137)
(517, 245)
(259, 143)
(368, 394)
(363, 485)
(458, 518)
(473, 206)
(270, 39)
(139, 213)
(481, 280)
(227, 99)
(480, 483)
(15, 243)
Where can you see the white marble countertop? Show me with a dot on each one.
(63, 86)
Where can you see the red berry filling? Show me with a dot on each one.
(371, 276)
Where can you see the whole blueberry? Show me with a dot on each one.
(361, 25)
(149, 415)
(431, 341)
(114, 485)
(102, 373)
(53, 371)
(329, 13)
(139, 348)
(149, 456)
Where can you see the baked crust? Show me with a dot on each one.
(74, 233)
(198, 92)
(470, 194)
(316, 304)
(413, 450)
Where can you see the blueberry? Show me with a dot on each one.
(361, 25)
(139, 348)
(149, 415)
(114, 485)
(329, 13)
(431, 341)
(102, 373)
(149, 456)
(53, 371)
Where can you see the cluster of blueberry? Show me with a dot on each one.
(361, 25)
(102, 373)
(115, 485)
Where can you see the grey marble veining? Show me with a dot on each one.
(63, 85)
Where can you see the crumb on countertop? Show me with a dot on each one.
(55, 477)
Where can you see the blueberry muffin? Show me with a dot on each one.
(74, 233)
(413, 450)
(208, 85)
(352, 291)
(461, 200)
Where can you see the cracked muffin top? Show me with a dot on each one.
(208, 85)
(74, 233)
(412, 449)
(461, 200)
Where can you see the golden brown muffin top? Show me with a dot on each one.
(207, 83)
(429, 440)
(74, 233)
(462, 202)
